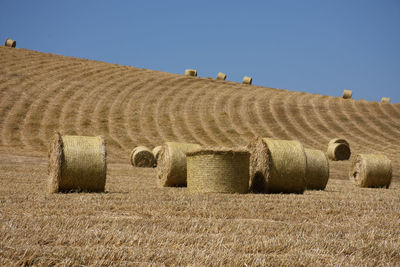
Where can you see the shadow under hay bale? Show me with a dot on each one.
(339, 151)
(10, 43)
(191, 72)
(77, 163)
(142, 157)
(371, 170)
(171, 170)
(385, 100)
(317, 171)
(156, 152)
(218, 171)
(347, 94)
(221, 76)
(247, 80)
(277, 166)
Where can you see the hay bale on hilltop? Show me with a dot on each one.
(191, 72)
(317, 171)
(277, 166)
(221, 76)
(10, 43)
(371, 170)
(156, 152)
(338, 149)
(77, 163)
(218, 171)
(142, 157)
(385, 100)
(247, 80)
(347, 94)
(171, 163)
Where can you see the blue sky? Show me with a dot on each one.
(316, 46)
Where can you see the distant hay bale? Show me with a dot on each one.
(338, 141)
(10, 43)
(347, 94)
(156, 152)
(385, 100)
(371, 170)
(171, 163)
(77, 163)
(218, 171)
(142, 157)
(339, 151)
(317, 171)
(277, 166)
(221, 76)
(190, 72)
(247, 80)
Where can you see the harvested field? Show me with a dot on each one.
(137, 223)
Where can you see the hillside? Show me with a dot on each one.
(135, 222)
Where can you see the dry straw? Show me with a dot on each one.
(218, 171)
(347, 94)
(339, 151)
(338, 141)
(190, 72)
(142, 157)
(317, 171)
(221, 76)
(156, 152)
(171, 169)
(277, 166)
(371, 170)
(247, 80)
(77, 163)
(10, 43)
(385, 100)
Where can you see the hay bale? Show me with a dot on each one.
(218, 171)
(338, 141)
(156, 152)
(221, 76)
(339, 151)
(77, 163)
(142, 157)
(385, 100)
(371, 170)
(317, 170)
(171, 169)
(247, 80)
(190, 72)
(347, 94)
(10, 43)
(277, 166)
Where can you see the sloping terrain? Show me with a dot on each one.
(136, 223)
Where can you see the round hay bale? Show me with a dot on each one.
(142, 157)
(247, 80)
(339, 151)
(277, 166)
(371, 170)
(338, 141)
(218, 171)
(171, 169)
(10, 43)
(156, 152)
(190, 72)
(77, 163)
(347, 94)
(221, 76)
(317, 170)
(385, 100)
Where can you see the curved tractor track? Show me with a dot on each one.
(42, 93)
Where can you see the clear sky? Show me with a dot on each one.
(316, 46)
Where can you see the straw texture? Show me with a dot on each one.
(247, 80)
(347, 94)
(142, 157)
(218, 171)
(339, 151)
(221, 76)
(371, 170)
(385, 100)
(171, 169)
(338, 141)
(10, 43)
(77, 163)
(277, 166)
(156, 152)
(191, 72)
(317, 171)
